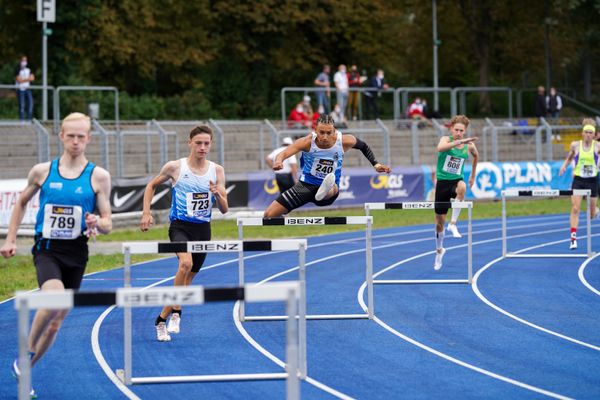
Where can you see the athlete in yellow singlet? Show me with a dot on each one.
(585, 153)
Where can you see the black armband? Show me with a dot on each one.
(366, 150)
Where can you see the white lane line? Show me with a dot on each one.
(581, 274)
(279, 362)
(521, 320)
(276, 360)
(360, 296)
(96, 329)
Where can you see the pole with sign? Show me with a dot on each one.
(46, 12)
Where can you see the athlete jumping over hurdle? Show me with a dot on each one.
(321, 163)
(452, 154)
(586, 154)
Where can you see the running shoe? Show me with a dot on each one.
(453, 228)
(573, 244)
(174, 321)
(438, 259)
(325, 187)
(16, 372)
(161, 332)
(597, 213)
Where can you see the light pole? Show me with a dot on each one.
(436, 43)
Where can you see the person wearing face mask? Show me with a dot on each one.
(23, 78)
(338, 117)
(298, 118)
(341, 85)
(377, 83)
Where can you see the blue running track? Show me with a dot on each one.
(526, 328)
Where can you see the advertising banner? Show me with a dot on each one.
(357, 186)
(9, 193)
(493, 178)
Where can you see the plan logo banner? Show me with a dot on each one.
(540, 177)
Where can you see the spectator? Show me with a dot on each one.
(341, 87)
(298, 118)
(416, 110)
(322, 81)
(338, 118)
(23, 78)
(287, 176)
(308, 110)
(377, 82)
(354, 81)
(539, 106)
(553, 103)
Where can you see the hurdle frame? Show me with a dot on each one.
(430, 205)
(311, 221)
(221, 246)
(288, 291)
(546, 193)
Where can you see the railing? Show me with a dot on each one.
(462, 91)
(56, 108)
(332, 89)
(32, 87)
(43, 141)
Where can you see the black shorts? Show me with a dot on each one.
(302, 193)
(586, 183)
(284, 181)
(183, 231)
(64, 260)
(444, 192)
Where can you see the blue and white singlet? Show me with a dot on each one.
(64, 203)
(318, 162)
(191, 198)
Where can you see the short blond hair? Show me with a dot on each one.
(460, 119)
(588, 121)
(77, 116)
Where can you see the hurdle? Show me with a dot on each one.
(546, 193)
(224, 246)
(288, 292)
(311, 221)
(430, 205)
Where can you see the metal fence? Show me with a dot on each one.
(140, 148)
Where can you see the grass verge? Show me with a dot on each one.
(17, 273)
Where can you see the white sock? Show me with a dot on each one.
(455, 214)
(439, 239)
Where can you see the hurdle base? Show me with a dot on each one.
(208, 378)
(410, 281)
(542, 255)
(251, 318)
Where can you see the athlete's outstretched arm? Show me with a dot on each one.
(34, 179)
(218, 190)
(302, 144)
(475, 157)
(445, 144)
(350, 141)
(167, 172)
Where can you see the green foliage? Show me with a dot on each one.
(229, 59)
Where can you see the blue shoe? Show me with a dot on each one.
(16, 372)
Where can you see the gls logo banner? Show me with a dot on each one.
(159, 296)
(305, 221)
(214, 247)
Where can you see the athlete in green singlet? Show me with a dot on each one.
(453, 152)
